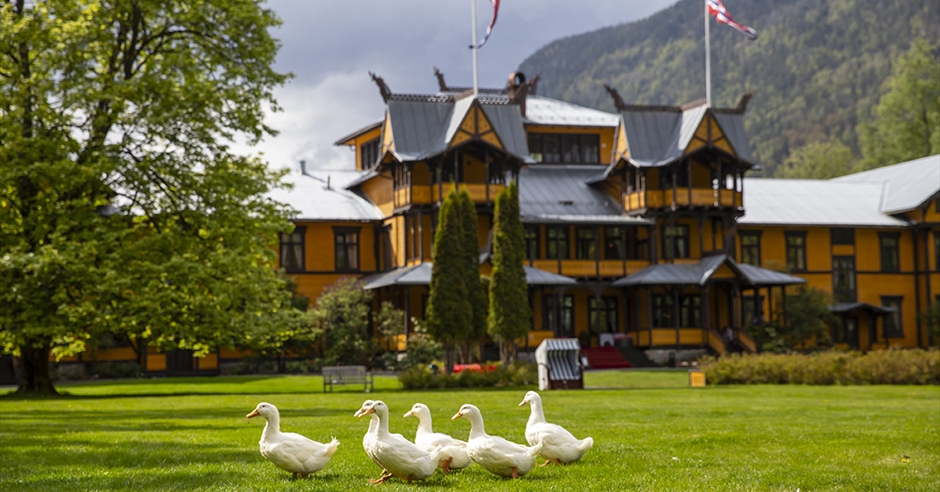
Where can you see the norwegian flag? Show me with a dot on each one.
(716, 8)
(489, 28)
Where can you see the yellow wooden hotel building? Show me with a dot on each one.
(641, 223)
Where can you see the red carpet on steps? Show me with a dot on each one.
(604, 358)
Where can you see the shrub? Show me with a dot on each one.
(516, 374)
(894, 366)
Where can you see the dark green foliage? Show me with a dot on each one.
(475, 292)
(449, 310)
(422, 348)
(818, 66)
(893, 366)
(818, 160)
(343, 309)
(516, 374)
(807, 317)
(122, 206)
(906, 123)
(509, 300)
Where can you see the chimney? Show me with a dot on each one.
(328, 182)
(303, 167)
(517, 90)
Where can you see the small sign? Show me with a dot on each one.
(696, 378)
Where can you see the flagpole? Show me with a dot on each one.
(708, 62)
(473, 46)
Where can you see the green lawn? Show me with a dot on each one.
(651, 432)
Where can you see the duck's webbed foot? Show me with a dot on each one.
(515, 473)
(446, 465)
(385, 476)
(547, 462)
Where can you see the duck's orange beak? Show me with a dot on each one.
(254, 413)
(456, 416)
(523, 403)
(409, 414)
(364, 412)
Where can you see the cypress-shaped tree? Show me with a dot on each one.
(475, 293)
(509, 301)
(449, 312)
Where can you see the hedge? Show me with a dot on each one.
(893, 366)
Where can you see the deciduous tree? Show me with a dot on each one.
(122, 206)
(818, 160)
(906, 122)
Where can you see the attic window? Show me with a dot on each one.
(566, 202)
(368, 154)
(557, 148)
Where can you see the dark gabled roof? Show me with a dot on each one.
(849, 307)
(701, 273)
(548, 193)
(420, 274)
(423, 127)
(762, 277)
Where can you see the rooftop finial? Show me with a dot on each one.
(383, 87)
(618, 101)
(440, 80)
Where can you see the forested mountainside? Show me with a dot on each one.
(818, 66)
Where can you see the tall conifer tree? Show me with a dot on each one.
(509, 313)
(475, 293)
(449, 311)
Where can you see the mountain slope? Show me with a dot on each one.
(818, 66)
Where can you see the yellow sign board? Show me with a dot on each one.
(696, 378)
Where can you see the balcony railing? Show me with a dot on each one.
(591, 268)
(684, 197)
(428, 194)
(479, 192)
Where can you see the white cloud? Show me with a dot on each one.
(331, 46)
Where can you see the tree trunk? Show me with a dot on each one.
(507, 353)
(449, 356)
(34, 370)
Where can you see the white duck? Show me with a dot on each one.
(495, 454)
(428, 440)
(289, 451)
(558, 445)
(369, 438)
(399, 456)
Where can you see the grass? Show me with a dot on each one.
(651, 433)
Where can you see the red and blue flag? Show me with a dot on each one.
(716, 8)
(489, 28)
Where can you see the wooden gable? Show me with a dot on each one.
(710, 134)
(388, 140)
(476, 126)
(621, 148)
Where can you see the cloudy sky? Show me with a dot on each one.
(330, 46)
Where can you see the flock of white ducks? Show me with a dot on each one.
(410, 461)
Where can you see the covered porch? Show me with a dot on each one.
(697, 305)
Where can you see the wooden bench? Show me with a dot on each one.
(346, 375)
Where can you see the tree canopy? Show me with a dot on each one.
(818, 160)
(906, 123)
(122, 206)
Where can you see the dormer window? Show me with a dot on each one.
(556, 148)
(369, 154)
